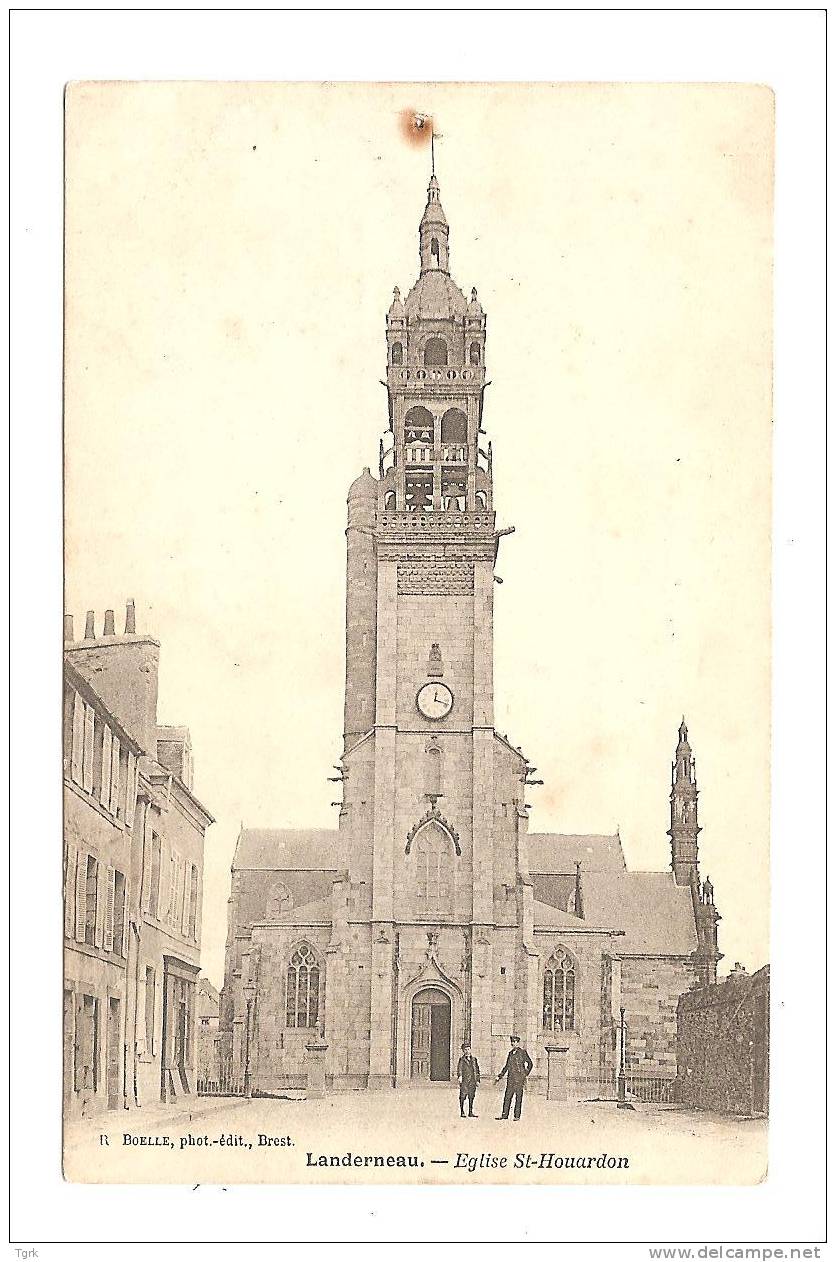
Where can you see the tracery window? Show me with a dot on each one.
(559, 993)
(303, 989)
(434, 873)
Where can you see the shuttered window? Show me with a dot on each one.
(89, 738)
(70, 859)
(150, 1010)
(91, 900)
(130, 792)
(113, 805)
(110, 879)
(120, 919)
(107, 742)
(77, 753)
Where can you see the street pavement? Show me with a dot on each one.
(413, 1135)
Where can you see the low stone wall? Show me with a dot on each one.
(723, 1045)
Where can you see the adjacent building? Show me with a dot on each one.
(432, 914)
(134, 836)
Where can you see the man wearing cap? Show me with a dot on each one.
(517, 1067)
(469, 1079)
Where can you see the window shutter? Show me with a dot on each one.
(77, 761)
(104, 792)
(187, 890)
(89, 736)
(122, 947)
(69, 891)
(147, 852)
(110, 908)
(101, 900)
(80, 895)
(114, 776)
(165, 882)
(181, 889)
(130, 797)
(150, 1035)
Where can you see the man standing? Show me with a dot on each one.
(469, 1079)
(517, 1067)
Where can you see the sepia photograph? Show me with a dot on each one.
(417, 462)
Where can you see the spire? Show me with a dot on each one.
(684, 827)
(433, 232)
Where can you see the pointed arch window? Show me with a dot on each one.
(397, 352)
(559, 993)
(434, 251)
(475, 353)
(434, 873)
(303, 989)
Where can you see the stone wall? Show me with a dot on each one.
(650, 991)
(723, 1045)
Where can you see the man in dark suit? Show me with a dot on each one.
(517, 1068)
(469, 1078)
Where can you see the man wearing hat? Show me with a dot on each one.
(469, 1078)
(518, 1066)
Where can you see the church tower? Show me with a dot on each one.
(422, 780)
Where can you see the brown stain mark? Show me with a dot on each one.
(415, 128)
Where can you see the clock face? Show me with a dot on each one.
(435, 701)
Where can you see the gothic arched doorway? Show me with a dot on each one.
(431, 1036)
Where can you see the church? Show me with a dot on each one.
(432, 915)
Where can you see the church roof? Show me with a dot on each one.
(550, 853)
(548, 917)
(316, 912)
(435, 296)
(289, 849)
(656, 914)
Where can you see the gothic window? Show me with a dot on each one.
(475, 353)
(454, 426)
(433, 858)
(435, 353)
(303, 989)
(559, 993)
(397, 353)
(434, 251)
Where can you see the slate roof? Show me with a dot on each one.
(550, 853)
(307, 913)
(656, 914)
(547, 917)
(289, 850)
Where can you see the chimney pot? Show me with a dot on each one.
(68, 628)
(130, 618)
(109, 623)
(90, 625)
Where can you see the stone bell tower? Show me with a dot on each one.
(418, 761)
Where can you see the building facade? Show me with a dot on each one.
(432, 914)
(133, 876)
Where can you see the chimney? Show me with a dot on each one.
(124, 671)
(68, 628)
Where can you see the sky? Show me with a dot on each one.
(231, 252)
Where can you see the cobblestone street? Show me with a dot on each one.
(415, 1136)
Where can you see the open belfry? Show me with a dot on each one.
(432, 915)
